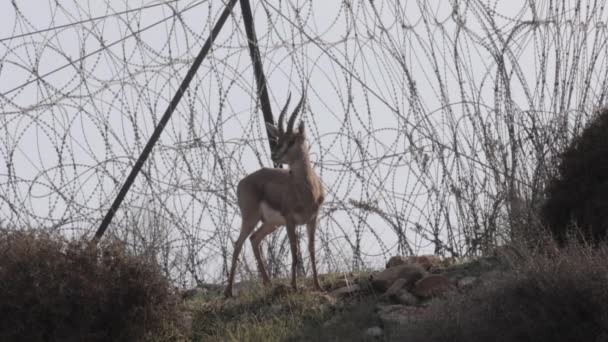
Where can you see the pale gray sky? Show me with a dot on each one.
(385, 85)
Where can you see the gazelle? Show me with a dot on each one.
(280, 197)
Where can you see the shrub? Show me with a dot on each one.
(577, 197)
(562, 297)
(57, 290)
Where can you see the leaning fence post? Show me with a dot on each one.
(163, 122)
(260, 79)
(258, 69)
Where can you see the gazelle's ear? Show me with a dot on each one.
(273, 130)
(301, 129)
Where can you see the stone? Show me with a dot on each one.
(431, 286)
(395, 288)
(191, 293)
(346, 291)
(326, 299)
(491, 277)
(185, 320)
(466, 283)
(426, 261)
(508, 254)
(340, 283)
(396, 261)
(382, 281)
(404, 297)
(398, 294)
(395, 316)
(374, 331)
(332, 321)
(276, 309)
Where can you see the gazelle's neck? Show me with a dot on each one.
(300, 169)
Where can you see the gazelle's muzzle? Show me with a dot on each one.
(278, 155)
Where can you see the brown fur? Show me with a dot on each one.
(280, 197)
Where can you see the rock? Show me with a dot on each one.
(410, 272)
(508, 254)
(185, 321)
(331, 321)
(276, 309)
(491, 277)
(374, 331)
(398, 294)
(211, 287)
(395, 288)
(449, 261)
(431, 286)
(191, 293)
(426, 261)
(395, 316)
(466, 283)
(404, 297)
(346, 291)
(326, 299)
(396, 261)
(340, 283)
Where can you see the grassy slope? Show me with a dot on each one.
(260, 314)
(557, 297)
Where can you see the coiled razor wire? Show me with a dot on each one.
(434, 125)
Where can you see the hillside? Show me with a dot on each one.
(508, 296)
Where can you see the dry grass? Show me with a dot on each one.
(557, 297)
(258, 315)
(57, 290)
(279, 314)
(53, 290)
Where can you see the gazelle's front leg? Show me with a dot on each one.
(247, 226)
(311, 228)
(293, 243)
(256, 238)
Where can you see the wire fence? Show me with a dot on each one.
(434, 126)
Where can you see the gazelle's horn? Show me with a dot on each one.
(294, 115)
(282, 115)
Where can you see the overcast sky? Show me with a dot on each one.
(82, 85)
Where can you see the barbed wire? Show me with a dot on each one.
(54, 28)
(434, 128)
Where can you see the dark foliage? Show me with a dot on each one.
(55, 290)
(562, 297)
(577, 197)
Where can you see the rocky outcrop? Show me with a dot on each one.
(431, 286)
(426, 261)
(346, 291)
(410, 273)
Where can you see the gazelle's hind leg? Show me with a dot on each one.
(247, 226)
(256, 238)
(311, 227)
(293, 243)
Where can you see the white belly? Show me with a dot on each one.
(274, 217)
(271, 216)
